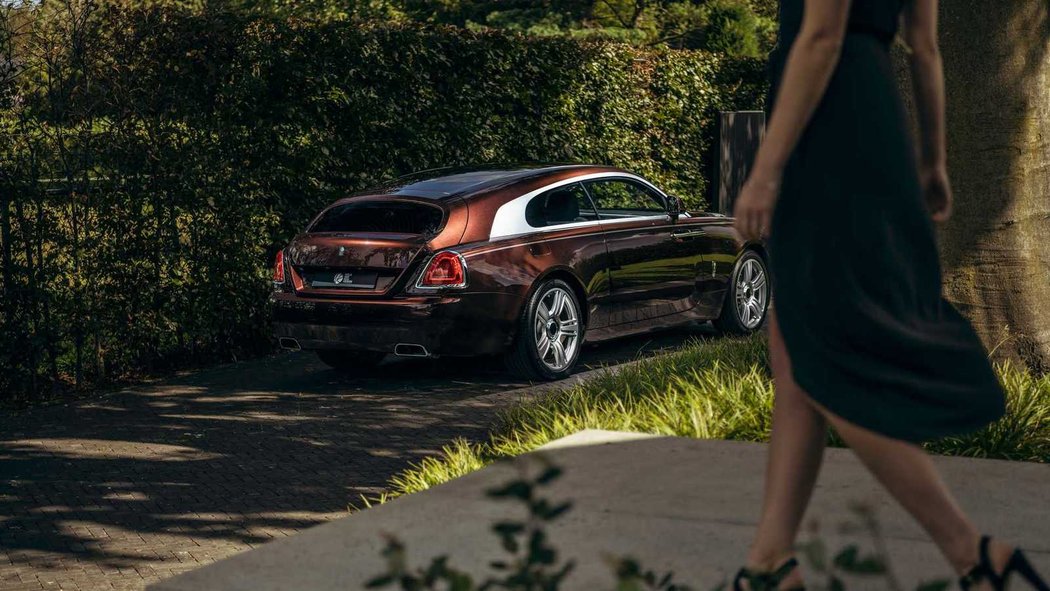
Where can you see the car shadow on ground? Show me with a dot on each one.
(473, 375)
(161, 478)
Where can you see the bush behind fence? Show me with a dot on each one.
(153, 160)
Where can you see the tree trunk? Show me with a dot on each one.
(996, 248)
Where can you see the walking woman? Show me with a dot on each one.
(860, 338)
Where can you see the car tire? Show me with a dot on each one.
(746, 303)
(535, 356)
(349, 361)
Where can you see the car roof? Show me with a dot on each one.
(448, 183)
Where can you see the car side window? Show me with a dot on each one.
(564, 205)
(619, 198)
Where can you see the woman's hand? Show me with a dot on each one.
(754, 206)
(937, 191)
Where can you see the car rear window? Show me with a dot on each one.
(393, 217)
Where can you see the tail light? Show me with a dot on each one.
(278, 268)
(445, 269)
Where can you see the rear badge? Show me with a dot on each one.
(343, 278)
(342, 251)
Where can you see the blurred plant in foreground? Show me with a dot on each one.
(533, 563)
(830, 573)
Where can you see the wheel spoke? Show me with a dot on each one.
(543, 314)
(568, 346)
(543, 346)
(558, 304)
(570, 327)
(559, 353)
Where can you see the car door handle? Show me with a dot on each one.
(687, 234)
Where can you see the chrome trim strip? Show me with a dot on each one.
(529, 243)
(542, 239)
(425, 353)
(688, 233)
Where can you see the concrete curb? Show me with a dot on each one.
(681, 505)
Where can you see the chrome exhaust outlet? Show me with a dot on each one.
(289, 344)
(410, 350)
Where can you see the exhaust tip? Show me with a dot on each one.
(289, 344)
(410, 350)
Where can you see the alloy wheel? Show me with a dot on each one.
(752, 293)
(557, 329)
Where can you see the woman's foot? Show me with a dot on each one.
(778, 576)
(998, 553)
(996, 565)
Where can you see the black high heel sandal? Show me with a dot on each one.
(985, 571)
(770, 581)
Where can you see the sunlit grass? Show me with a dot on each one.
(714, 389)
(458, 458)
(1023, 434)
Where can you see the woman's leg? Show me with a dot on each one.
(796, 449)
(909, 475)
(795, 453)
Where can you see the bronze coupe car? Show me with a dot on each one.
(529, 262)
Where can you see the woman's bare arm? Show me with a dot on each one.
(920, 32)
(810, 65)
(927, 71)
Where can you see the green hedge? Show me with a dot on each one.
(154, 160)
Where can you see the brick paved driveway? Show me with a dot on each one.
(120, 491)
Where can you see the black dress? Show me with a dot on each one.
(856, 278)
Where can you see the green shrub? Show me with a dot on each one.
(733, 28)
(730, 27)
(152, 159)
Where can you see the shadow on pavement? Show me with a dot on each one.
(154, 480)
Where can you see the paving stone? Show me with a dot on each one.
(161, 478)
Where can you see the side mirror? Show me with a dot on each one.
(674, 206)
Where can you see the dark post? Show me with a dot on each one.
(739, 133)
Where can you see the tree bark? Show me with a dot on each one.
(996, 248)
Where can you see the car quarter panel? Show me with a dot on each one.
(514, 266)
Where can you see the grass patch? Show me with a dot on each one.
(709, 389)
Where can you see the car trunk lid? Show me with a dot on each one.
(362, 247)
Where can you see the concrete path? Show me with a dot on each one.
(135, 486)
(683, 505)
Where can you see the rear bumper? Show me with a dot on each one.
(462, 324)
